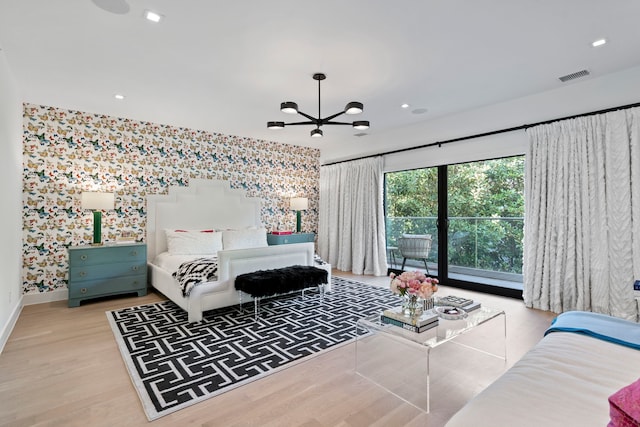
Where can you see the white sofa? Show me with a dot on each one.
(565, 380)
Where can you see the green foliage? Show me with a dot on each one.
(486, 209)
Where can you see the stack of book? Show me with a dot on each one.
(396, 317)
(464, 303)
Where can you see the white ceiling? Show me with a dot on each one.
(225, 66)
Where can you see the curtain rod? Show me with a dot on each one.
(494, 132)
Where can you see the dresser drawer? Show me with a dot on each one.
(101, 271)
(94, 288)
(107, 254)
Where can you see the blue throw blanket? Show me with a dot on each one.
(597, 325)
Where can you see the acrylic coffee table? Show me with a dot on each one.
(385, 354)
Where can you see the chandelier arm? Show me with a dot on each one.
(327, 119)
(301, 123)
(337, 123)
(313, 119)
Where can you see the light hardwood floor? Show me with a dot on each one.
(61, 367)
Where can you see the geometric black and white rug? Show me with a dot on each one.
(174, 364)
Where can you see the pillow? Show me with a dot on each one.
(244, 239)
(193, 242)
(624, 406)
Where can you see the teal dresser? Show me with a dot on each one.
(98, 271)
(284, 239)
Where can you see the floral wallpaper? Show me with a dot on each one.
(66, 152)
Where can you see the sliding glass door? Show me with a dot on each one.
(411, 199)
(485, 204)
(474, 213)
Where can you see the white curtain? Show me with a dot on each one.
(582, 214)
(351, 232)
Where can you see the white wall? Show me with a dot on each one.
(11, 196)
(488, 147)
(578, 97)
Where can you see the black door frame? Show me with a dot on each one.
(443, 246)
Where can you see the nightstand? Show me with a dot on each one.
(98, 271)
(283, 239)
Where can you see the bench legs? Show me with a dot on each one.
(256, 300)
(321, 290)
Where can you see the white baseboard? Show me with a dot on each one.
(11, 323)
(29, 299)
(42, 297)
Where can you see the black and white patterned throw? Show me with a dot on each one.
(174, 364)
(192, 273)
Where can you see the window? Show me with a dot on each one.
(480, 204)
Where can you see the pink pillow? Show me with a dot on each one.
(624, 406)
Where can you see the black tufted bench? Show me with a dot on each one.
(267, 283)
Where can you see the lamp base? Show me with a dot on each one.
(97, 228)
(298, 221)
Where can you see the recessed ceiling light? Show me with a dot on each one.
(405, 106)
(599, 42)
(118, 96)
(152, 16)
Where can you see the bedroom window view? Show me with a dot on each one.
(485, 219)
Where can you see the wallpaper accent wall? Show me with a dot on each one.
(66, 152)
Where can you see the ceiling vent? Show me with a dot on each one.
(572, 76)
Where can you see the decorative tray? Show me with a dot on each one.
(450, 313)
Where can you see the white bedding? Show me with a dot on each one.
(565, 380)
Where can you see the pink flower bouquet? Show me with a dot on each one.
(413, 283)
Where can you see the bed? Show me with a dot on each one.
(584, 372)
(209, 216)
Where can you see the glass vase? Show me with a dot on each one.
(411, 306)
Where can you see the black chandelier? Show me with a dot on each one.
(292, 108)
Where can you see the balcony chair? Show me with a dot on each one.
(414, 246)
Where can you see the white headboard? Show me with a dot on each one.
(203, 204)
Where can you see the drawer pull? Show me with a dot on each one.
(84, 257)
(134, 268)
(82, 274)
(134, 253)
(83, 290)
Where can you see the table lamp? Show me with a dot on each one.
(97, 202)
(299, 204)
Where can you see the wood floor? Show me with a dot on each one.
(61, 367)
